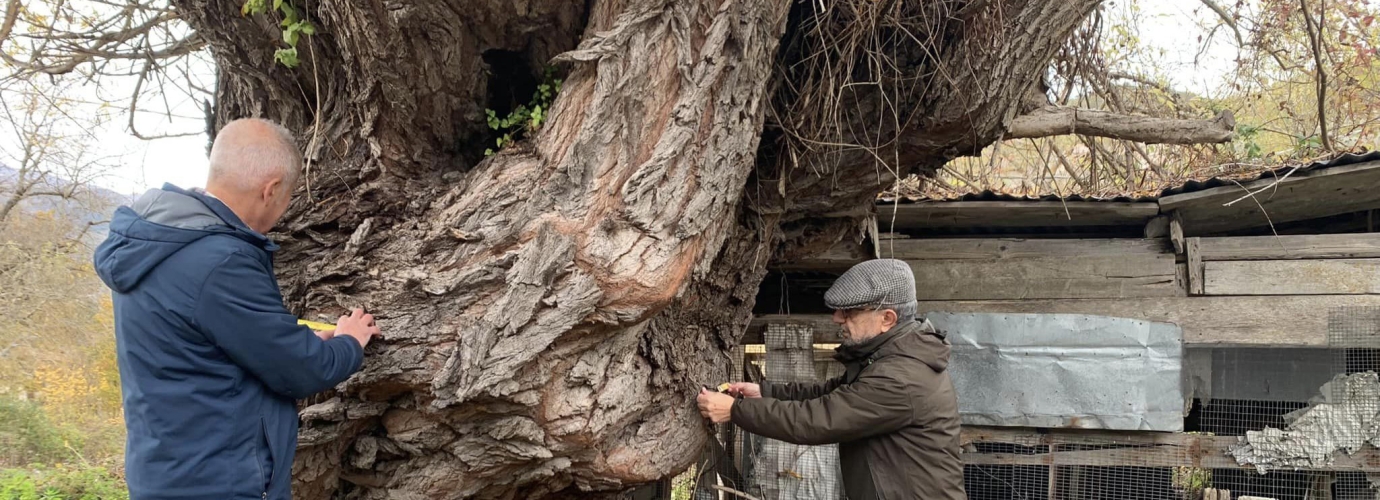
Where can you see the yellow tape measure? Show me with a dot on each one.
(320, 327)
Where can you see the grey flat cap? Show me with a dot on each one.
(879, 283)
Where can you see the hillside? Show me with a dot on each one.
(93, 205)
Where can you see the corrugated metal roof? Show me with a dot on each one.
(1187, 187)
(1344, 159)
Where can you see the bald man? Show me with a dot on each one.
(211, 362)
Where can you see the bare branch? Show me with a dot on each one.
(1314, 30)
(1056, 120)
(1227, 18)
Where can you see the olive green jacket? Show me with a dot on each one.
(893, 413)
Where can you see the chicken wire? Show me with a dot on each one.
(1239, 392)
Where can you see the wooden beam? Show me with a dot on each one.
(1283, 321)
(1293, 277)
(837, 258)
(1277, 321)
(1313, 246)
(1015, 248)
(978, 214)
(1141, 449)
(1301, 196)
(1096, 276)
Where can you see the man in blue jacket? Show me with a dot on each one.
(211, 362)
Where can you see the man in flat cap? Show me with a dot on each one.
(893, 411)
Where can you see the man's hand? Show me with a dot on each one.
(358, 325)
(745, 389)
(325, 334)
(714, 406)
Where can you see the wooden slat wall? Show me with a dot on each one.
(1012, 248)
(1292, 277)
(1333, 264)
(990, 269)
(1125, 276)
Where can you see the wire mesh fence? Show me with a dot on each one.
(1305, 420)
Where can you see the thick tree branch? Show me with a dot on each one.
(1055, 120)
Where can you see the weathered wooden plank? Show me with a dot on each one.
(1279, 321)
(1288, 321)
(1014, 248)
(1139, 449)
(1292, 277)
(1193, 252)
(956, 214)
(1176, 231)
(1301, 196)
(837, 258)
(1313, 246)
(1094, 276)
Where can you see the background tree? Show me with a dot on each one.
(48, 149)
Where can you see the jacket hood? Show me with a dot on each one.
(916, 338)
(157, 225)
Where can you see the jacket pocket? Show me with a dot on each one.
(263, 457)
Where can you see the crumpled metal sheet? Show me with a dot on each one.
(1065, 370)
(1345, 416)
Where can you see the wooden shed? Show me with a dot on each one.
(1274, 282)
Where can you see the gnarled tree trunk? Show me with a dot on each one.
(550, 312)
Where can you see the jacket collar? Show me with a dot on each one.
(868, 349)
(228, 216)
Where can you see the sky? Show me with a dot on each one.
(1174, 26)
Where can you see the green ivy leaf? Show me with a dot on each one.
(254, 7)
(290, 35)
(308, 28)
(488, 152)
(290, 15)
(277, 4)
(287, 57)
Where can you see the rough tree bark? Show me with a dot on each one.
(549, 312)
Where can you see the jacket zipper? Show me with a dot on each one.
(263, 435)
(261, 468)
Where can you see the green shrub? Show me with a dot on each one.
(27, 436)
(61, 483)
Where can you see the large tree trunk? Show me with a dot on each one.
(550, 312)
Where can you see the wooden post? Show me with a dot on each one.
(1195, 266)
(1053, 493)
(1176, 231)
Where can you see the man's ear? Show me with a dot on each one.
(890, 318)
(270, 190)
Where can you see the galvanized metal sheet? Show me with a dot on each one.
(1065, 370)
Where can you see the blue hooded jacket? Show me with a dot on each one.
(211, 362)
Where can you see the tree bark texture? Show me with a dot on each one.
(550, 311)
